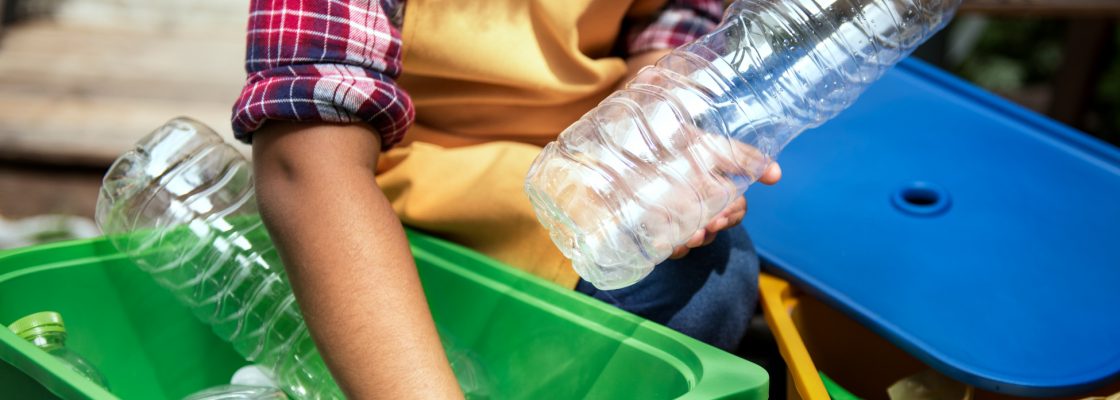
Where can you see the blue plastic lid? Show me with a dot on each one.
(979, 237)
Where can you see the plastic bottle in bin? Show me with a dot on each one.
(47, 331)
(654, 162)
(181, 205)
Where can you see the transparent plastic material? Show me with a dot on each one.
(655, 162)
(181, 205)
(46, 331)
(238, 392)
(474, 380)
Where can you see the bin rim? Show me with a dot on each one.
(711, 373)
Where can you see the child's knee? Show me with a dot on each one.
(709, 295)
(720, 311)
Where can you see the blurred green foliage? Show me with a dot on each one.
(1012, 54)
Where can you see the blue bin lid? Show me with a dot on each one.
(978, 236)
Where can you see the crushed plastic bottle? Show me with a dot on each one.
(47, 331)
(655, 162)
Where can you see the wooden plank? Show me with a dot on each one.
(120, 63)
(91, 131)
(79, 96)
(162, 16)
(79, 90)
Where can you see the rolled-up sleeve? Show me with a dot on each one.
(679, 22)
(323, 60)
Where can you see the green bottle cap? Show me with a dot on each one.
(37, 324)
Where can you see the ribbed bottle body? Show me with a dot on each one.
(181, 205)
(654, 162)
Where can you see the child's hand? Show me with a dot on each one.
(729, 217)
(746, 156)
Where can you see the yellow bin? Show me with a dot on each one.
(815, 338)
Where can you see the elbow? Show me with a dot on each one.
(293, 161)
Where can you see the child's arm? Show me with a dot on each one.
(331, 66)
(348, 260)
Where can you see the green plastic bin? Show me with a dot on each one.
(535, 339)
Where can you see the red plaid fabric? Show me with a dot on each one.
(681, 21)
(325, 60)
(335, 60)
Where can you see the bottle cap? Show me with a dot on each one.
(37, 324)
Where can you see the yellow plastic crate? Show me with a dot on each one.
(814, 338)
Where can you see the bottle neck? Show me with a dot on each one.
(793, 67)
(48, 341)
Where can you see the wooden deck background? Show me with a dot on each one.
(78, 88)
(81, 88)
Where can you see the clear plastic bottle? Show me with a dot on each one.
(654, 162)
(181, 205)
(47, 331)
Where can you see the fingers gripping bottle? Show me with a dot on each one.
(181, 205)
(654, 162)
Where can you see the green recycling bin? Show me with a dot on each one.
(534, 339)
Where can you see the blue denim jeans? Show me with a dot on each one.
(709, 294)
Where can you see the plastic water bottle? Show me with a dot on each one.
(181, 205)
(655, 162)
(47, 331)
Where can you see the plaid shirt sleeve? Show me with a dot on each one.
(323, 60)
(680, 22)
